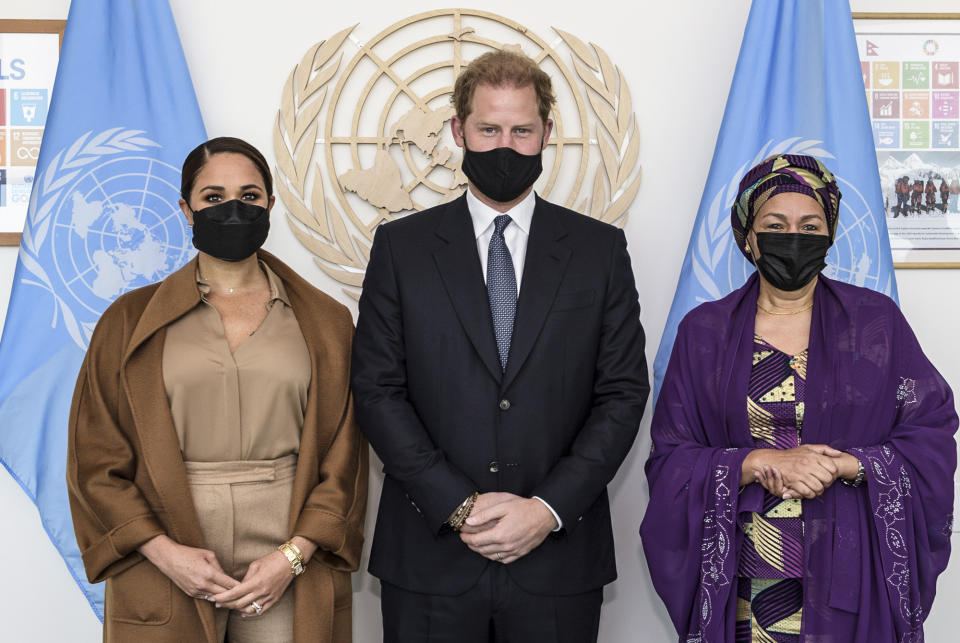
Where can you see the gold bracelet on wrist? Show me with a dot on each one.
(294, 556)
(459, 510)
(461, 513)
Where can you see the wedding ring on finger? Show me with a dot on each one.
(257, 607)
(499, 556)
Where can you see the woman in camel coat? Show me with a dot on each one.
(137, 510)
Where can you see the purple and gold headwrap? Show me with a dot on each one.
(778, 174)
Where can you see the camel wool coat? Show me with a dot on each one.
(127, 481)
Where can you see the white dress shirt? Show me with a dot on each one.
(515, 236)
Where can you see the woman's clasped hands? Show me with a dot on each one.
(805, 471)
(199, 575)
(262, 586)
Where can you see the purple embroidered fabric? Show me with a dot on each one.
(871, 554)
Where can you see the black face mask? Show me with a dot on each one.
(502, 174)
(790, 260)
(232, 230)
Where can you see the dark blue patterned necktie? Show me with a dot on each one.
(501, 288)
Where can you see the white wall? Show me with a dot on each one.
(678, 58)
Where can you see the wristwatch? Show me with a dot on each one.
(294, 557)
(861, 474)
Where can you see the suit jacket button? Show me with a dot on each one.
(494, 466)
(504, 404)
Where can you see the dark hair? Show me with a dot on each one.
(499, 69)
(197, 158)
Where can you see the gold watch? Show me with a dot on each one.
(294, 556)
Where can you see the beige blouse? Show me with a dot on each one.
(245, 405)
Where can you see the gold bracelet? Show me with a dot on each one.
(459, 510)
(457, 521)
(467, 510)
(462, 512)
(454, 520)
(456, 512)
(294, 556)
(296, 550)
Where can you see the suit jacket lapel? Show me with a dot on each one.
(543, 270)
(459, 268)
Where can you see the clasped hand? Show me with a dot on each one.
(199, 575)
(802, 472)
(505, 527)
(264, 583)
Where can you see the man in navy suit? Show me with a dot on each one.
(499, 373)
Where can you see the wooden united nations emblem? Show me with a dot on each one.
(368, 140)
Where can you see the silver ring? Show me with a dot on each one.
(256, 606)
(499, 556)
(205, 597)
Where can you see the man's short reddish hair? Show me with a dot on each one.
(498, 69)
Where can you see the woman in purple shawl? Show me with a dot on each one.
(801, 476)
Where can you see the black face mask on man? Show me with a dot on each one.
(232, 230)
(790, 260)
(502, 174)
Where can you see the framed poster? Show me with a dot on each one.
(29, 51)
(911, 74)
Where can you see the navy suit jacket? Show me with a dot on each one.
(447, 421)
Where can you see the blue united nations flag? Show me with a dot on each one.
(103, 219)
(798, 89)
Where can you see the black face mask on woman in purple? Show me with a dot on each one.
(790, 260)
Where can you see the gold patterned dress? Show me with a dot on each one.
(770, 569)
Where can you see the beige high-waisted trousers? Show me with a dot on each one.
(244, 510)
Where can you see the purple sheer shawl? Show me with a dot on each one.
(873, 553)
